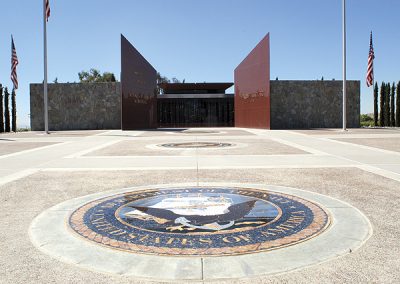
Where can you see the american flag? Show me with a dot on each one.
(371, 57)
(14, 63)
(47, 10)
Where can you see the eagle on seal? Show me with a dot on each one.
(211, 222)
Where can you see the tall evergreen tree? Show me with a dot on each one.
(389, 89)
(13, 112)
(387, 105)
(6, 110)
(1, 110)
(398, 105)
(392, 119)
(376, 104)
(382, 105)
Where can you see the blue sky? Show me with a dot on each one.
(200, 40)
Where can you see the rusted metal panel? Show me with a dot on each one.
(252, 88)
(138, 84)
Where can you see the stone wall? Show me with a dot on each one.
(313, 104)
(294, 105)
(75, 106)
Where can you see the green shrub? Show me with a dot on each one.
(366, 118)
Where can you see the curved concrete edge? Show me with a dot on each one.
(349, 230)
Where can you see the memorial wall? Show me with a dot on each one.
(77, 106)
(252, 97)
(313, 104)
(138, 83)
(293, 105)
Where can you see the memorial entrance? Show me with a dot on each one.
(195, 105)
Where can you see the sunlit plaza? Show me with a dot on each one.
(345, 183)
(205, 142)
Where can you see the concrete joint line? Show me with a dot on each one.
(371, 169)
(103, 133)
(34, 149)
(17, 176)
(362, 146)
(363, 166)
(115, 169)
(301, 147)
(380, 172)
(81, 153)
(143, 168)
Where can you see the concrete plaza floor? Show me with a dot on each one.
(360, 167)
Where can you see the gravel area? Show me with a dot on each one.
(377, 197)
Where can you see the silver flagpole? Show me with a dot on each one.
(344, 67)
(373, 96)
(46, 118)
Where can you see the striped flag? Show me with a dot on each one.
(14, 63)
(47, 10)
(371, 57)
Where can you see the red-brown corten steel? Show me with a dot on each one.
(138, 84)
(252, 88)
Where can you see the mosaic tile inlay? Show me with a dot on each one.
(207, 221)
(196, 145)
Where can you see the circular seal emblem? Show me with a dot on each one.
(196, 145)
(209, 221)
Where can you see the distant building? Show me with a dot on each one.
(257, 103)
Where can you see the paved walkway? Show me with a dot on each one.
(68, 152)
(361, 167)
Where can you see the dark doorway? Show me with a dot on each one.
(196, 112)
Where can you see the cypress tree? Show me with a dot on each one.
(6, 110)
(382, 105)
(1, 110)
(13, 112)
(387, 105)
(398, 105)
(387, 110)
(392, 120)
(376, 104)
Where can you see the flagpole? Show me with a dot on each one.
(344, 67)
(373, 97)
(373, 84)
(13, 89)
(46, 118)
